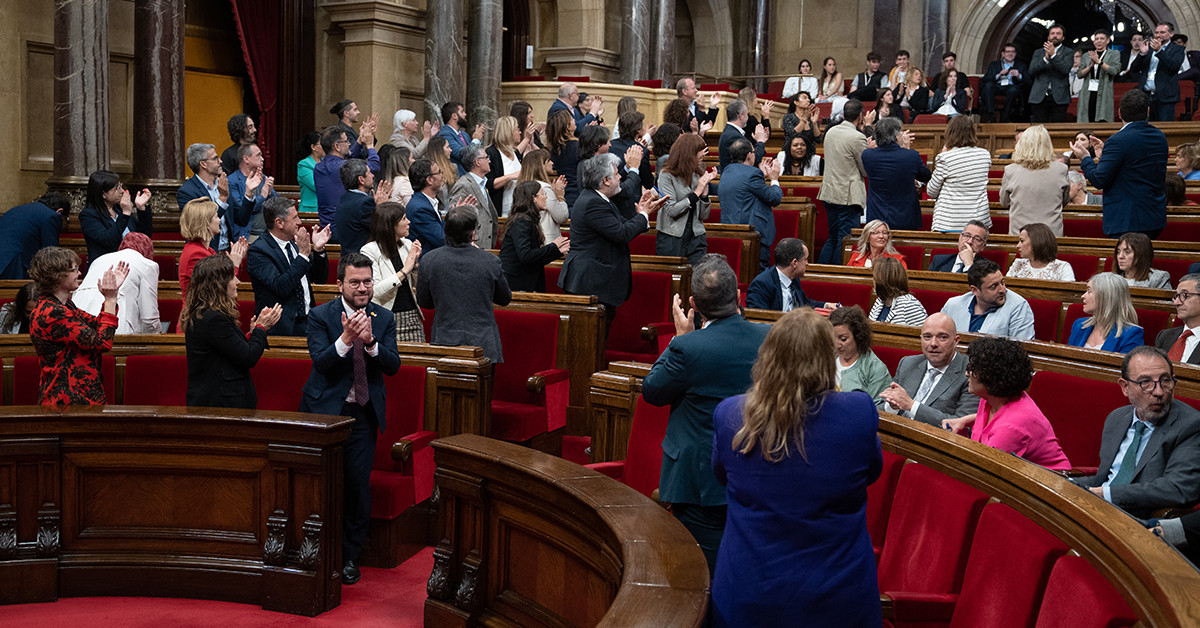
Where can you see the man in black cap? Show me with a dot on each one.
(346, 111)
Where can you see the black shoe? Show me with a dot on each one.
(350, 572)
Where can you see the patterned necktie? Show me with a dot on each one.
(797, 298)
(292, 253)
(1176, 352)
(362, 394)
(926, 386)
(1129, 462)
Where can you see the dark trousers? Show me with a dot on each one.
(1012, 98)
(1047, 111)
(840, 220)
(1162, 111)
(357, 456)
(707, 525)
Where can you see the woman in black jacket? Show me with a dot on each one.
(219, 354)
(109, 211)
(524, 252)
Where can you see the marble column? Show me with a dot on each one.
(158, 108)
(485, 32)
(935, 34)
(80, 90)
(885, 36)
(760, 44)
(635, 40)
(444, 58)
(662, 57)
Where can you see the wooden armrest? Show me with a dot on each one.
(538, 381)
(654, 330)
(1171, 513)
(403, 449)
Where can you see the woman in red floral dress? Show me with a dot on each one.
(68, 340)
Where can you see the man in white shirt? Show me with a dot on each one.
(990, 308)
(971, 241)
(284, 266)
(932, 387)
(1180, 342)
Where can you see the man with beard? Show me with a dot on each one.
(241, 132)
(454, 129)
(990, 308)
(1050, 69)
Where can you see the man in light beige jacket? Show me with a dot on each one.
(842, 190)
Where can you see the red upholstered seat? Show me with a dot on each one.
(643, 245)
(156, 380)
(1084, 266)
(27, 379)
(933, 300)
(930, 528)
(398, 484)
(879, 499)
(651, 83)
(1077, 595)
(714, 87)
(649, 305)
(891, 356)
(643, 460)
(1078, 417)
(999, 224)
(926, 222)
(278, 382)
(930, 118)
(522, 409)
(731, 248)
(1178, 231)
(552, 273)
(168, 312)
(1004, 580)
(1045, 318)
(1074, 312)
(993, 196)
(846, 294)
(1176, 268)
(245, 313)
(714, 215)
(1083, 228)
(1152, 322)
(787, 225)
(574, 79)
(168, 267)
(913, 256)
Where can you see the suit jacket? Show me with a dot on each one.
(1133, 337)
(1104, 92)
(25, 230)
(994, 68)
(487, 225)
(1166, 83)
(730, 135)
(598, 262)
(276, 281)
(1131, 174)
(581, 119)
(1136, 71)
(332, 375)
(250, 210)
(327, 179)
(1168, 472)
(949, 398)
(458, 141)
(944, 263)
(892, 197)
(1167, 337)
(460, 283)
(1051, 75)
(746, 199)
(524, 257)
(219, 359)
(842, 183)
(766, 292)
(700, 115)
(426, 223)
(103, 233)
(695, 373)
(354, 220)
(232, 215)
(619, 146)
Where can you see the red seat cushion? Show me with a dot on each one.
(933, 300)
(1077, 595)
(530, 341)
(391, 494)
(517, 422)
(649, 303)
(156, 380)
(168, 312)
(1045, 318)
(1084, 266)
(1078, 417)
(879, 497)
(395, 486)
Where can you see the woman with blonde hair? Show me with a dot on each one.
(750, 97)
(1035, 186)
(914, 95)
(960, 177)
(505, 156)
(874, 243)
(1112, 322)
(199, 224)
(893, 302)
(1187, 159)
(787, 450)
(537, 167)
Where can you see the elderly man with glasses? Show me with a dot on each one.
(1180, 342)
(971, 241)
(1150, 449)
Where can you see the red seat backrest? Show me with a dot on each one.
(651, 83)
(278, 382)
(1074, 311)
(1084, 266)
(1077, 595)
(879, 497)
(27, 375)
(714, 215)
(1045, 318)
(913, 256)
(787, 225)
(1176, 268)
(731, 248)
(156, 380)
(999, 224)
(649, 303)
(1152, 322)
(891, 356)
(643, 245)
(245, 313)
(1084, 228)
(168, 267)
(776, 87)
(552, 287)
(168, 312)
(574, 79)
(933, 300)
(1078, 417)
(643, 459)
(405, 413)
(1179, 231)
(846, 294)
(530, 342)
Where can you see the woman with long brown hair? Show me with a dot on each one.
(564, 151)
(684, 179)
(525, 251)
(796, 457)
(439, 153)
(537, 167)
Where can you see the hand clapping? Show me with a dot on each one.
(267, 318)
(356, 326)
(111, 280)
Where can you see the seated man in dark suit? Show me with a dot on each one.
(737, 115)
(1150, 449)
(352, 342)
(284, 263)
(1180, 342)
(698, 369)
(1003, 77)
(356, 206)
(26, 229)
(932, 387)
(971, 241)
(778, 287)
(746, 199)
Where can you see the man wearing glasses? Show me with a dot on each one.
(971, 241)
(1180, 342)
(1149, 450)
(327, 174)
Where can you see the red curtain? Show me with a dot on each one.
(257, 23)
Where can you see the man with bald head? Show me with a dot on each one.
(932, 386)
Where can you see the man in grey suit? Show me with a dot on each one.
(1149, 450)
(1050, 69)
(475, 183)
(1180, 342)
(932, 387)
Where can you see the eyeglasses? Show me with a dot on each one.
(1167, 383)
(1183, 295)
(356, 283)
(972, 238)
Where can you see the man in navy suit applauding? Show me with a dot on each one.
(747, 199)
(352, 342)
(284, 264)
(778, 287)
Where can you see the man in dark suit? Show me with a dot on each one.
(1129, 168)
(211, 182)
(284, 264)
(29, 228)
(746, 199)
(568, 99)
(630, 125)
(460, 282)
(686, 90)
(1149, 450)
(454, 125)
(352, 342)
(358, 204)
(737, 115)
(1162, 81)
(1180, 342)
(422, 209)
(1050, 70)
(892, 169)
(1004, 77)
(598, 262)
(778, 287)
(932, 387)
(698, 369)
(1134, 61)
(972, 240)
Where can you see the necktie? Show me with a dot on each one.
(797, 296)
(958, 266)
(362, 395)
(292, 253)
(1176, 352)
(1129, 462)
(926, 386)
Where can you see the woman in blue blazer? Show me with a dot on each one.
(1112, 325)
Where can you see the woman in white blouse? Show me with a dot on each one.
(806, 82)
(1037, 249)
(536, 166)
(960, 177)
(893, 302)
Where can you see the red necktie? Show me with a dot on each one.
(1176, 352)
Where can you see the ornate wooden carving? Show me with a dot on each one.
(440, 579)
(467, 596)
(310, 547)
(8, 535)
(48, 534)
(276, 544)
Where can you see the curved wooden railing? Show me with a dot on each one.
(532, 540)
(171, 502)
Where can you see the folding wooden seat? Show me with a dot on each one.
(530, 395)
(641, 468)
(1078, 417)
(1078, 596)
(156, 380)
(879, 499)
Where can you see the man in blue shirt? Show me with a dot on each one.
(990, 308)
(327, 174)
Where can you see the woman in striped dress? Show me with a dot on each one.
(893, 302)
(960, 177)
